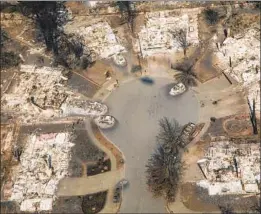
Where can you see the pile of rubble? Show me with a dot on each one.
(244, 52)
(38, 93)
(155, 36)
(83, 107)
(98, 37)
(231, 168)
(43, 164)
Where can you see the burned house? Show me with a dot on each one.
(231, 168)
(44, 162)
(35, 94)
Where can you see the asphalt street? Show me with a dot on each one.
(138, 106)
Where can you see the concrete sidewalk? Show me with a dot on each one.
(88, 185)
(102, 182)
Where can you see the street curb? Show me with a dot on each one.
(96, 130)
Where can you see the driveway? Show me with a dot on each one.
(138, 106)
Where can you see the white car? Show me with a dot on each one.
(178, 88)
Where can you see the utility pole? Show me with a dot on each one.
(138, 38)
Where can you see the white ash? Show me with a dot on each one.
(44, 162)
(43, 86)
(84, 107)
(155, 36)
(98, 37)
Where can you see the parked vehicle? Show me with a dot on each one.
(117, 195)
(186, 134)
(122, 183)
(177, 89)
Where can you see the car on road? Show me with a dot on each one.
(178, 88)
(118, 190)
(122, 183)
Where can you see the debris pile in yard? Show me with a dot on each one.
(231, 168)
(83, 107)
(105, 121)
(37, 93)
(98, 37)
(44, 162)
(155, 36)
(244, 52)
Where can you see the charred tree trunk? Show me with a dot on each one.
(253, 116)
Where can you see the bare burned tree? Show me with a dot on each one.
(211, 16)
(164, 167)
(252, 115)
(180, 36)
(50, 16)
(69, 50)
(8, 58)
(163, 173)
(127, 12)
(169, 132)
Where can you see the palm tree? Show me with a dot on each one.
(186, 76)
